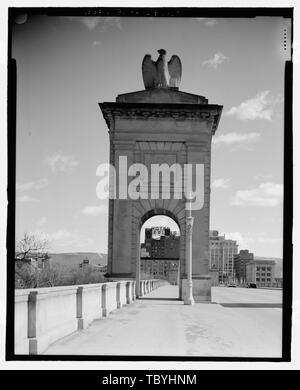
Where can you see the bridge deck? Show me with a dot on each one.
(161, 325)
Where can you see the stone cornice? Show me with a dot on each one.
(206, 112)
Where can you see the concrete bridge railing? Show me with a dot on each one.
(44, 315)
(147, 286)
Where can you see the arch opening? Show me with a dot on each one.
(160, 241)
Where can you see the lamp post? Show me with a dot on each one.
(189, 300)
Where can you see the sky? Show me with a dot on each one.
(67, 65)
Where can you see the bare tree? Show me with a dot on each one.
(30, 276)
(26, 275)
(31, 244)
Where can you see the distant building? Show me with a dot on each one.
(100, 267)
(85, 263)
(278, 264)
(221, 255)
(214, 273)
(278, 282)
(173, 273)
(160, 269)
(240, 261)
(144, 252)
(36, 260)
(160, 243)
(261, 272)
(160, 254)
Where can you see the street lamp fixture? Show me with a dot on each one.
(189, 300)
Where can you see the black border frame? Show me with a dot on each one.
(226, 12)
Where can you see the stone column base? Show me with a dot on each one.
(201, 288)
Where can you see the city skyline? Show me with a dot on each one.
(67, 65)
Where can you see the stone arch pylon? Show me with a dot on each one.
(159, 126)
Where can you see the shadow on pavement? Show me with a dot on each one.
(253, 305)
(158, 299)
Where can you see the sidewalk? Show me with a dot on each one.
(154, 326)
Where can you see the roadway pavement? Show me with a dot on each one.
(247, 296)
(240, 323)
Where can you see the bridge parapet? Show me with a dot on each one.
(149, 285)
(44, 315)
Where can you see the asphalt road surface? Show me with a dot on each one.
(246, 295)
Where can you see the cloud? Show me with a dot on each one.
(111, 22)
(96, 43)
(240, 238)
(220, 183)
(92, 22)
(41, 221)
(61, 163)
(60, 234)
(246, 240)
(215, 61)
(89, 22)
(32, 185)
(27, 198)
(266, 195)
(210, 22)
(269, 240)
(262, 176)
(94, 211)
(235, 138)
(259, 107)
(63, 240)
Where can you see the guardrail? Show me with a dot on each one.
(44, 315)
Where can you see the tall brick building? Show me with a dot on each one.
(240, 262)
(161, 243)
(221, 255)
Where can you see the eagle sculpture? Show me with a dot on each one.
(161, 74)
